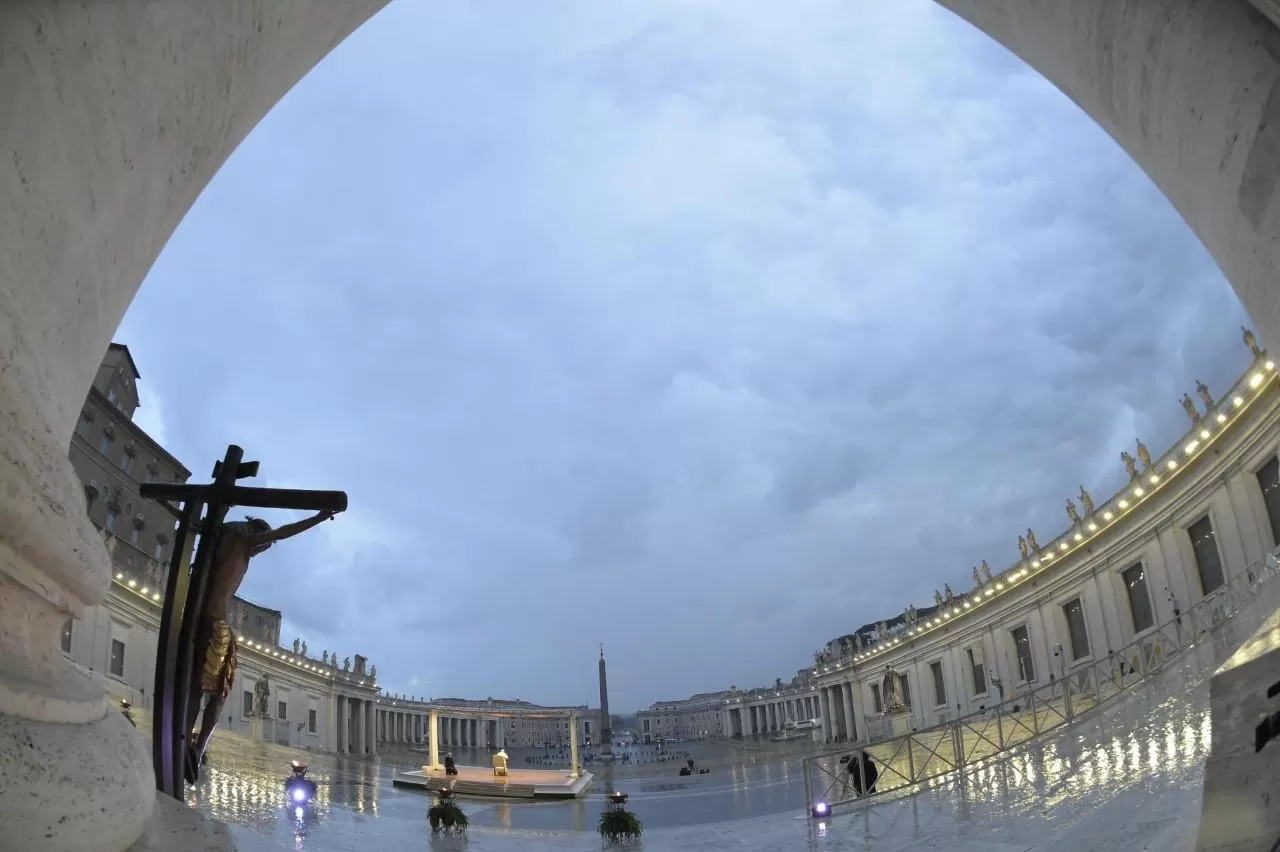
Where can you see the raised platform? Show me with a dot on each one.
(480, 781)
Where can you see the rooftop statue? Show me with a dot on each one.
(1071, 512)
(1250, 341)
(1205, 396)
(346, 664)
(1130, 465)
(986, 571)
(947, 594)
(1031, 541)
(1189, 406)
(1144, 455)
(1086, 501)
(324, 658)
(937, 597)
(1023, 549)
(304, 648)
(977, 578)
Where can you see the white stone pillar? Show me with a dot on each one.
(852, 730)
(370, 712)
(433, 741)
(828, 731)
(573, 746)
(344, 725)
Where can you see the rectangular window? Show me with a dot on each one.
(979, 668)
(104, 445)
(1076, 629)
(126, 463)
(282, 710)
(1269, 482)
(1135, 585)
(116, 666)
(1022, 646)
(1208, 561)
(66, 636)
(904, 686)
(133, 535)
(159, 551)
(311, 720)
(939, 684)
(876, 700)
(110, 522)
(246, 704)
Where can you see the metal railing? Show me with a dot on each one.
(904, 761)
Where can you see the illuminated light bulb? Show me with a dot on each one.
(1138, 492)
(990, 592)
(1106, 516)
(1035, 564)
(999, 585)
(1173, 465)
(1191, 447)
(1153, 479)
(156, 596)
(1062, 546)
(120, 576)
(1123, 504)
(1255, 380)
(1237, 401)
(966, 605)
(1204, 434)
(1270, 365)
(145, 590)
(1093, 527)
(1078, 537)
(133, 584)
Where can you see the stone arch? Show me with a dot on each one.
(116, 115)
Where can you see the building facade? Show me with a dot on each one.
(1188, 521)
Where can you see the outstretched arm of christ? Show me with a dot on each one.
(290, 530)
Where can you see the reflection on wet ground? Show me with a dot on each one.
(1128, 777)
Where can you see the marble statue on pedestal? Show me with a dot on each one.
(1130, 465)
(986, 571)
(1189, 406)
(977, 578)
(1023, 549)
(1144, 455)
(1250, 341)
(1086, 501)
(1031, 541)
(1071, 511)
(1205, 396)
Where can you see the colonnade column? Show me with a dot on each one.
(573, 746)
(859, 711)
(433, 740)
(825, 706)
(850, 719)
(344, 727)
(370, 708)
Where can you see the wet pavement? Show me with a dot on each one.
(1128, 777)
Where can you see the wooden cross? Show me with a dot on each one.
(174, 717)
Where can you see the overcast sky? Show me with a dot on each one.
(708, 330)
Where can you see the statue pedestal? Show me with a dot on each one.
(895, 724)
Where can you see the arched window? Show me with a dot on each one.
(66, 635)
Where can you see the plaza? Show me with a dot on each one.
(1128, 776)
(124, 115)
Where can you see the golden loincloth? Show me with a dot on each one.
(220, 660)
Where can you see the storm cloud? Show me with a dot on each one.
(706, 330)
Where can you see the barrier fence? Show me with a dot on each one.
(857, 771)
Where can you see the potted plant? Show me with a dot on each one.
(617, 823)
(446, 816)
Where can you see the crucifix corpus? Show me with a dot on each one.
(196, 657)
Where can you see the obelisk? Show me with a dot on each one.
(606, 729)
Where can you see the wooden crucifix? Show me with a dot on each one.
(196, 652)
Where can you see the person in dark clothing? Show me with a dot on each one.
(864, 782)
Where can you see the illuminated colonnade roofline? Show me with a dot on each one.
(1105, 518)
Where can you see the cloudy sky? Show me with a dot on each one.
(708, 330)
